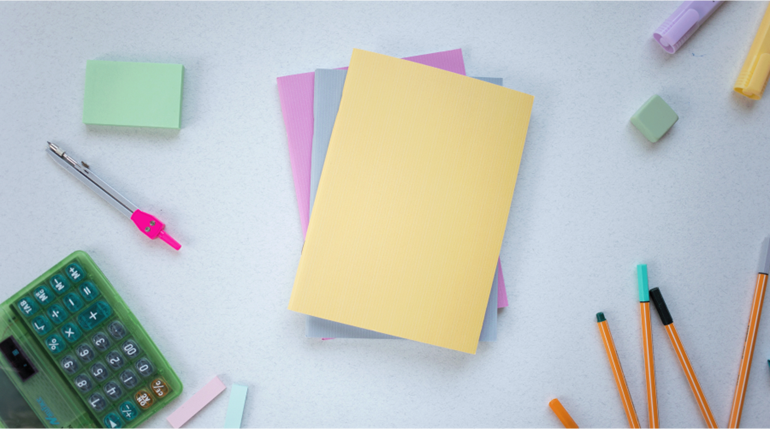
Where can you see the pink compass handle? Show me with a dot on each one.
(153, 228)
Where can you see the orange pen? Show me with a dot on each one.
(668, 322)
(562, 414)
(617, 371)
(649, 361)
(751, 335)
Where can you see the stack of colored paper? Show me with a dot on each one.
(409, 171)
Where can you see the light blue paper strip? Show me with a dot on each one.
(326, 102)
(235, 406)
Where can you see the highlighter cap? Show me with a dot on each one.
(683, 23)
(753, 78)
(641, 275)
(657, 298)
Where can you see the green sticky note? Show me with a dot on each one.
(654, 118)
(133, 94)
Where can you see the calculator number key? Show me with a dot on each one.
(144, 399)
(160, 387)
(69, 365)
(85, 352)
(117, 330)
(89, 291)
(128, 411)
(144, 366)
(83, 383)
(101, 342)
(130, 349)
(115, 360)
(99, 371)
(54, 343)
(94, 315)
(112, 390)
(27, 306)
(97, 402)
(128, 378)
(41, 325)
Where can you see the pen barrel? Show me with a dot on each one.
(649, 365)
(700, 398)
(620, 378)
(748, 351)
(562, 414)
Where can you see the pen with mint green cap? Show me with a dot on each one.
(649, 360)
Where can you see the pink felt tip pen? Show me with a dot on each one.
(147, 223)
(683, 23)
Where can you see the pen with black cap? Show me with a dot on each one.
(668, 322)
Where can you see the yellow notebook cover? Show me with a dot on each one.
(412, 203)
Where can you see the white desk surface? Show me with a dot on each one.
(593, 199)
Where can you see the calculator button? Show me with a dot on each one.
(41, 325)
(59, 284)
(97, 402)
(113, 391)
(160, 387)
(43, 295)
(117, 330)
(99, 371)
(57, 314)
(69, 365)
(70, 332)
(115, 360)
(94, 315)
(144, 366)
(75, 272)
(27, 306)
(101, 341)
(72, 302)
(83, 383)
(128, 378)
(85, 353)
(144, 399)
(55, 344)
(130, 349)
(128, 411)
(112, 420)
(89, 291)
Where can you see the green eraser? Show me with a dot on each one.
(654, 118)
(644, 287)
(133, 94)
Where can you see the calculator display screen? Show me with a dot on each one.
(16, 358)
(14, 410)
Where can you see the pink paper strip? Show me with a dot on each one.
(193, 405)
(296, 96)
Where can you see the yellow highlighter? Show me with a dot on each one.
(753, 78)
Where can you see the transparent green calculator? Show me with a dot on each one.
(73, 354)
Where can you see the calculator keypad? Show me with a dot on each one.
(104, 360)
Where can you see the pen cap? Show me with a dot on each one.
(753, 78)
(657, 298)
(764, 257)
(641, 275)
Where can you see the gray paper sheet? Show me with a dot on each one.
(326, 102)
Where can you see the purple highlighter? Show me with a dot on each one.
(683, 23)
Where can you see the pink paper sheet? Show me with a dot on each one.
(199, 400)
(296, 96)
